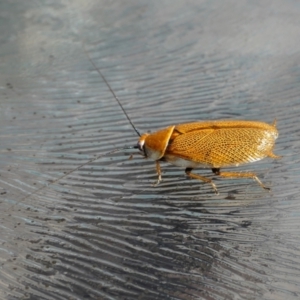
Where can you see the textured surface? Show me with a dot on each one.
(104, 232)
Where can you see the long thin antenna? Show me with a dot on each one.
(111, 90)
(101, 155)
(77, 168)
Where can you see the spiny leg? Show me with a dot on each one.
(239, 175)
(158, 171)
(188, 172)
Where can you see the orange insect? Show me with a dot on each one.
(211, 144)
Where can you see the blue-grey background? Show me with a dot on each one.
(104, 232)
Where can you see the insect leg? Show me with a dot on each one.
(272, 155)
(239, 175)
(188, 172)
(158, 171)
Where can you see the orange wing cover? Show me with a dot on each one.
(222, 143)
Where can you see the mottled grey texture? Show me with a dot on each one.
(104, 232)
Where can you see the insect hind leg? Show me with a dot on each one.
(188, 172)
(239, 175)
(272, 155)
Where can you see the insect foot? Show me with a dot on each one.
(196, 176)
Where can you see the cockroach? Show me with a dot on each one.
(209, 144)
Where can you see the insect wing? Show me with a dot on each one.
(220, 146)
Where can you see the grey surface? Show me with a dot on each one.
(104, 232)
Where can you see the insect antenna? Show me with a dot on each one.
(77, 168)
(101, 155)
(111, 90)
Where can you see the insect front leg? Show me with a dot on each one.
(158, 171)
(188, 172)
(239, 175)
